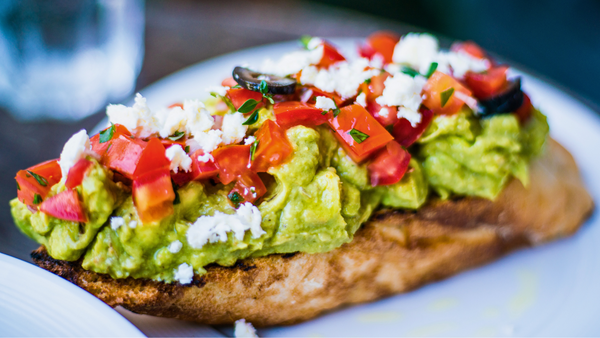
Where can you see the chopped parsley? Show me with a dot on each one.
(252, 119)
(37, 199)
(336, 112)
(107, 134)
(18, 186)
(253, 149)
(187, 149)
(446, 95)
(368, 81)
(176, 136)
(226, 100)
(248, 106)
(305, 40)
(409, 71)
(431, 70)
(358, 135)
(235, 198)
(42, 181)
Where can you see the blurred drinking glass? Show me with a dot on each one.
(65, 59)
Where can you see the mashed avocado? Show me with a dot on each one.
(316, 200)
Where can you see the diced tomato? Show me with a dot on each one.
(167, 143)
(470, 48)
(376, 86)
(406, 134)
(229, 82)
(524, 112)
(385, 120)
(153, 195)
(200, 170)
(250, 187)
(232, 161)
(318, 92)
(440, 83)
(273, 147)
(77, 172)
(123, 155)
(382, 43)
(65, 206)
(180, 105)
(100, 148)
(356, 120)
(293, 113)
(28, 185)
(152, 158)
(389, 165)
(484, 85)
(238, 96)
(330, 56)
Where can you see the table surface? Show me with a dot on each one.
(178, 34)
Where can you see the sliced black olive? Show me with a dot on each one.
(251, 80)
(505, 102)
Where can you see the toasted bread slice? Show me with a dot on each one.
(396, 251)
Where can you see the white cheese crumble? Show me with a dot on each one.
(244, 330)
(76, 148)
(175, 246)
(211, 229)
(412, 116)
(292, 63)
(179, 159)
(361, 99)
(132, 224)
(210, 140)
(342, 77)
(184, 273)
(205, 158)
(325, 103)
(384, 112)
(417, 51)
(138, 119)
(116, 222)
(460, 62)
(249, 140)
(233, 129)
(220, 90)
(402, 90)
(198, 118)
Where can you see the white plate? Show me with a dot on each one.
(551, 290)
(37, 303)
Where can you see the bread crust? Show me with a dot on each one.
(395, 252)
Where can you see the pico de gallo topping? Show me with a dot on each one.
(376, 106)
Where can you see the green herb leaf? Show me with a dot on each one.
(235, 198)
(252, 119)
(409, 71)
(358, 135)
(18, 186)
(445, 95)
(107, 134)
(37, 199)
(431, 70)
(108, 148)
(324, 112)
(176, 136)
(253, 149)
(270, 98)
(263, 87)
(336, 112)
(368, 81)
(237, 86)
(390, 128)
(42, 181)
(226, 100)
(304, 40)
(187, 149)
(248, 106)
(177, 200)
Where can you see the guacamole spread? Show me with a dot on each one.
(265, 181)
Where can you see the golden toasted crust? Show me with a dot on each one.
(396, 251)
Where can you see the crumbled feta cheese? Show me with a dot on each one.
(116, 222)
(76, 148)
(205, 158)
(178, 158)
(249, 140)
(220, 90)
(460, 62)
(171, 121)
(361, 99)
(292, 63)
(342, 77)
(384, 112)
(184, 273)
(209, 140)
(325, 103)
(211, 229)
(233, 129)
(198, 118)
(417, 51)
(244, 330)
(175, 246)
(132, 224)
(412, 116)
(138, 119)
(402, 90)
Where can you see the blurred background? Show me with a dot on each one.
(61, 61)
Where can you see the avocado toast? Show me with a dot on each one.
(156, 209)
